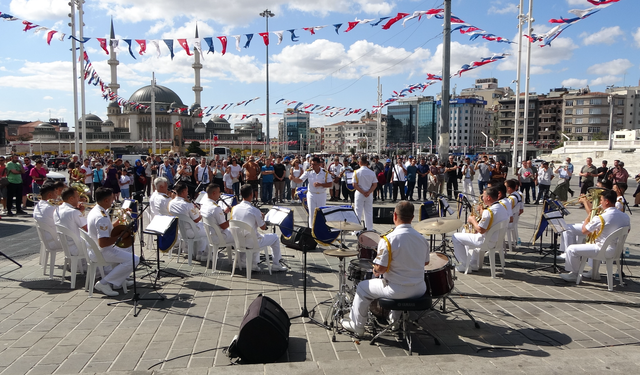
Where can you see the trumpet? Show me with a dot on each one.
(34, 197)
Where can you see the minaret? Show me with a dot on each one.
(113, 63)
(197, 89)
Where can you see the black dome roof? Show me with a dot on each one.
(163, 95)
(91, 117)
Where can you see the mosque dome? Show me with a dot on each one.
(163, 95)
(90, 117)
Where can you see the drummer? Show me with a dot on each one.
(402, 255)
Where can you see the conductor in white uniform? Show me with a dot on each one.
(251, 215)
(100, 229)
(180, 206)
(319, 181)
(365, 183)
(402, 255)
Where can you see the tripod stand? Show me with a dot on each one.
(160, 227)
(8, 257)
(136, 296)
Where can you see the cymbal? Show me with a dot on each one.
(438, 225)
(340, 253)
(344, 225)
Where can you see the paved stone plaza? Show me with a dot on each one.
(530, 321)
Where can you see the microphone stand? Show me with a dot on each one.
(136, 296)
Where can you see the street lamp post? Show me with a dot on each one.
(486, 143)
(610, 121)
(266, 14)
(430, 145)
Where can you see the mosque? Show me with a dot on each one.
(128, 125)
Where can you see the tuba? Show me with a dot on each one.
(120, 220)
(593, 199)
(468, 228)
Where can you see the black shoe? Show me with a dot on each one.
(22, 212)
(9, 213)
(536, 202)
(527, 202)
(635, 205)
(571, 192)
(393, 201)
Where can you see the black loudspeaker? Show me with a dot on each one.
(300, 237)
(264, 332)
(383, 215)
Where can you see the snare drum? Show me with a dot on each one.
(360, 269)
(438, 275)
(368, 244)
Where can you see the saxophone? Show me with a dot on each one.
(468, 228)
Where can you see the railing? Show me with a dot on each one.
(605, 143)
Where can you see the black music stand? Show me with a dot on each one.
(159, 226)
(9, 258)
(558, 225)
(136, 296)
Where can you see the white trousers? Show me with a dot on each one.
(368, 290)
(572, 236)
(462, 242)
(574, 252)
(313, 201)
(270, 239)
(467, 186)
(364, 205)
(119, 273)
(200, 244)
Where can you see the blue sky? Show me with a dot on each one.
(324, 69)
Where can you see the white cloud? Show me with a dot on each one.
(34, 75)
(618, 66)
(460, 54)
(606, 80)
(574, 82)
(48, 98)
(317, 60)
(42, 115)
(636, 36)
(561, 50)
(237, 12)
(36, 10)
(188, 29)
(606, 35)
(579, 2)
(500, 8)
(3, 69)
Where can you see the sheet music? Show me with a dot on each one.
(228, 199)
(341, 214)
(276, 215)
(160, 224)
(200, 198)
(556, 221)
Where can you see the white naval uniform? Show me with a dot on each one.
(211, 210)
(72, 219)
(159, 203)
(613, 220)
(178, 206)
(249, 214)
(467, 182)
(43, 214)
(405, 256)
(506, 203)
(99, 226)
(365, 178)
(462, 242)
(620, 203)
(316, 196)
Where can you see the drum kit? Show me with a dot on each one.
(438, 274)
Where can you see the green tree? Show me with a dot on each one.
(194, 148)
(352, 150)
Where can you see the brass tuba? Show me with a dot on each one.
(593, 199)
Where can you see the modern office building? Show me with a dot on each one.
(293, 131)
(412, 121)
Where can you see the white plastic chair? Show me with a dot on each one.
(246, 240)
(512, 233)
(49, 258)
(184, 224)
(72, 260)
(93, 265)
(215, 243)
(485, 248)
(617, 239)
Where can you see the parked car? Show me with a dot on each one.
(58, 164)
(55, 176)
(537, 162)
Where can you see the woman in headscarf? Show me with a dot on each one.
(139, 173)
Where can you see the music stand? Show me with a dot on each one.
(558, 225)
(159, 226)
(136, 296)
(9, 258)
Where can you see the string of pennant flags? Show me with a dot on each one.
(435, 78)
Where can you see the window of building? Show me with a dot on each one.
(594, 120)
(580, 102)
(568, 121)
(578, 121)
(579, 111)
(595, 101)
(595, 111)
(567, 130)
(594, 129)
(569, 103)
(578, 130)
(568, 111)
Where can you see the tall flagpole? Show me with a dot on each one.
(379, 118)
(74, 68)
(266, 14)
(153, 110)
(82, 80)
(443, 147)
(526, 88)
(514, 159)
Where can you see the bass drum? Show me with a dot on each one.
(368, 244)
(438, 275)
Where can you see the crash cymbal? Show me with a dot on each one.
(344, 225)
(340, 253)
(438, 225)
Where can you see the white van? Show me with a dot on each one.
(224, 152)
(132, 158)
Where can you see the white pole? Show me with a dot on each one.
(82, 81)
(430, 145)
(610, 121)
(379, 118)
(153, 110)
(445, 139)
(526, 89)
(74, 64)
(514, 159)
(486, 142)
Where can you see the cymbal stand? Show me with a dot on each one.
(338, 308)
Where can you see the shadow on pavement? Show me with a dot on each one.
(52, 286)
